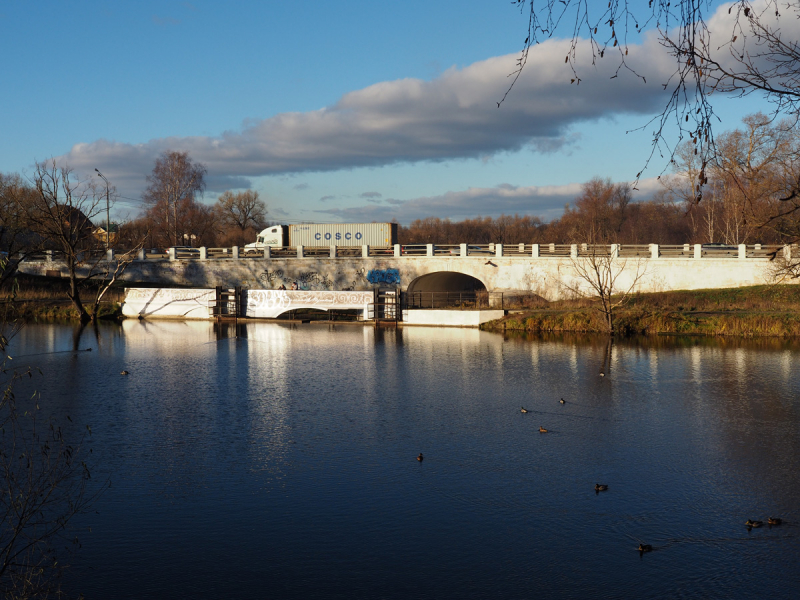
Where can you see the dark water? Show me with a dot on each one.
(281, 463)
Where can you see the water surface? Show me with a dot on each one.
(281, 462)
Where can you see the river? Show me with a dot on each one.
(280, 461)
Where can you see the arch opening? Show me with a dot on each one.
(446, 289)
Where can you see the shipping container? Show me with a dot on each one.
(343, 234)
(327, 234)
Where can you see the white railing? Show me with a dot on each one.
(459, 251)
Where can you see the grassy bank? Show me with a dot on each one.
(758, 311)
(745, 312)
(45, 299)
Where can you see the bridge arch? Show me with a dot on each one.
(442, 289)
(446, 281)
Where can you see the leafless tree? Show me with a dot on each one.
(60, 213)
(603, 275)
(599, 272)
(16, 238)
(241, 213)
(44, 484)
(173, 185)
(756, 52)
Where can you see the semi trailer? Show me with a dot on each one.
(326, 234)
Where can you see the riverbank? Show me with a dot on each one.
(745, 312)
(45, 299)
(756, 311)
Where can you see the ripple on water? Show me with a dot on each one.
(284, 463)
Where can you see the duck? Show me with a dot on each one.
(600, 487)
(523, 410)
(774, 521)
(420, 457)
(562, 401)
(542, 429)
(751, 523)
(645, 548)
(124, 373)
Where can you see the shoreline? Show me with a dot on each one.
(750, 312)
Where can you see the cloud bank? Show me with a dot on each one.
(409, 120)
(546, 202)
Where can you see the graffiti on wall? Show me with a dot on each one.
(304, 281)
(358, 282)
(271, 276)
(312, 279)
(390, 276)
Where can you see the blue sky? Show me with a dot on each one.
(332, 111)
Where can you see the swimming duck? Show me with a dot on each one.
(562, 401)
(774, 521)
(124, 373)
(600, 487)
(542, 429)
(523, 410)
(645, 548)
(751, 523)
(420, 457)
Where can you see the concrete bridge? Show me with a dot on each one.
(550, 271)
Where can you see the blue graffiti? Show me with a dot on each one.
(384, 276)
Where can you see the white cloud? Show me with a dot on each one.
(453, 116)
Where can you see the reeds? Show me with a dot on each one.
(759, 311)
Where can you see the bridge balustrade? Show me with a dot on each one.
(593, 250)
(635, 251)
(771, 251)
(414, 250)
(447, 250)
(555, 250)
(518, 251)
(676, 250)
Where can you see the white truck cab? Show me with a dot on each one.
(271, 236)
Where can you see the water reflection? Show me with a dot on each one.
(279, 460)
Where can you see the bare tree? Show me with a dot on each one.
(241, 213)
(173, 185)
(16, 238)
(756, 51)
(602, 274)
(60, 213)
(598, 270)
(44, 484)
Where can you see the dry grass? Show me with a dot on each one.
(742, 312)
(39, 298)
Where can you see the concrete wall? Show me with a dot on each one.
(182, 303)
(549, 277)
(451, 318)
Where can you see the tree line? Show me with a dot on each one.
(747, 194)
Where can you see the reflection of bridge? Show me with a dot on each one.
(547, 270)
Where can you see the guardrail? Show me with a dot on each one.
(458, 300)
(411, 251)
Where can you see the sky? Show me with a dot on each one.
(350, 111)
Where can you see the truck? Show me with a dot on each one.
(326, 234)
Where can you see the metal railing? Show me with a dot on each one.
(460, 300)
(451, 251)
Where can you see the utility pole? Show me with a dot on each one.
(108, 217)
